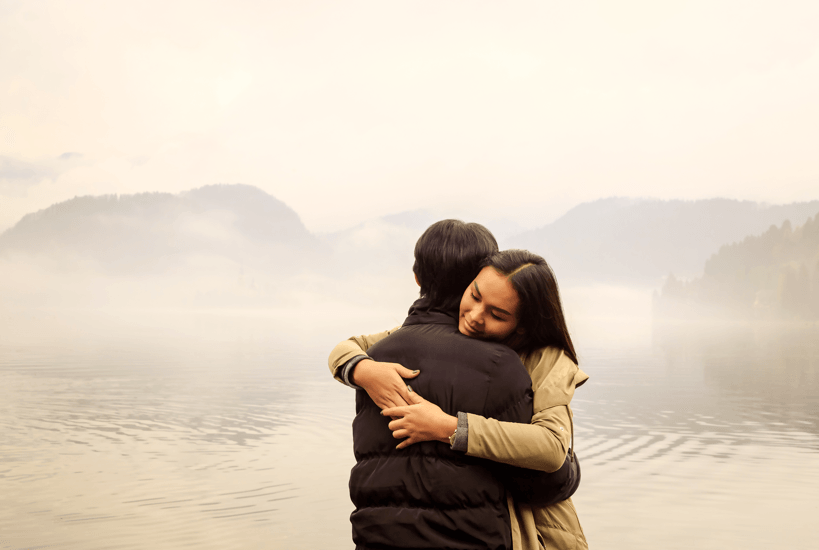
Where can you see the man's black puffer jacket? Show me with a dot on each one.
(426, 495)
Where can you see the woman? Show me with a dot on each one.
(514, 300)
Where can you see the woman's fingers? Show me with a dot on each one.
(414, 398)
(391, 403)
(404, 372)
(395, 411)
(383, 382)
(405, 443)
(420, 421)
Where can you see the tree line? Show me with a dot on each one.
(772, 275)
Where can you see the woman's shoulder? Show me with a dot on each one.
(551, 365)
(546, 359)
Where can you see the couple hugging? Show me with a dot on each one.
(476, 386)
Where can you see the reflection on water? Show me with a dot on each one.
(226, 431)
(223, 433)
(706, 438)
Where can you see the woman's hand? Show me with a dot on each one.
(421, 421)
(384, 382)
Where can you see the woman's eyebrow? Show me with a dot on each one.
(495, 308)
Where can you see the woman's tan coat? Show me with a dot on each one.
(541, 445)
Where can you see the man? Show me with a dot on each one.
(427, 495)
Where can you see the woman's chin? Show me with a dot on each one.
(466, 332)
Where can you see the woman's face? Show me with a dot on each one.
(489, 307)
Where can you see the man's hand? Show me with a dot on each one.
(384, 382)
(420, 421)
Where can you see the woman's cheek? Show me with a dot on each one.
(504, 329)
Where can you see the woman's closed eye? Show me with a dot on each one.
(491, 313)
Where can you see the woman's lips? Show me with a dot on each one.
(470, 329)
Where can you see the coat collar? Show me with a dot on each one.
(422, 313)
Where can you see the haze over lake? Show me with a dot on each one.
(163, 429)
(164, 379)
(199, 199)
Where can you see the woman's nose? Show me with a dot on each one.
(476, 317)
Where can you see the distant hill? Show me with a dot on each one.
(639, 241)
(151, 232)
(226, 244)
(772, 275)
(386, 244)
(380, 246)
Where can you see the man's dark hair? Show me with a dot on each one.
(448, 257)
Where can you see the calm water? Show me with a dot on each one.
(207, 430)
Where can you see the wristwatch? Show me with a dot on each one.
(452, 437)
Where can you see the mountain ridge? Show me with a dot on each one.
(131, 231)
(642, 240)
(620, 240)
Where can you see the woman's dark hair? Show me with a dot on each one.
(448, 256)
(540, 313)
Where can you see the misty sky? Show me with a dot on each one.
(347, 110)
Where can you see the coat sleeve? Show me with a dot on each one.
(543, 444)
(351, 347)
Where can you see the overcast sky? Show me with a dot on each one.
(351, 109)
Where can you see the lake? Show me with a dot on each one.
(220, 429)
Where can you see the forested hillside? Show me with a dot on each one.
(639, 241)
(152, 232)
(237, 245)
(215, 246)
(775, 274)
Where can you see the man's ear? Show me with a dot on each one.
(416, 279)
(520, 330)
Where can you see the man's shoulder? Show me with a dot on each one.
(501, 351)
(453, 335)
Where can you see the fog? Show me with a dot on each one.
(341, 110)
(164, 367)
(164, 331)
(237, 247)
